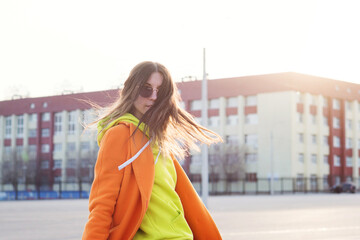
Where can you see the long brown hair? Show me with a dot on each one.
(171, 127)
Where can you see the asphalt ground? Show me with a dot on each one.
(305, 216)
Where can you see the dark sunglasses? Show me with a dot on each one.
(147, 91)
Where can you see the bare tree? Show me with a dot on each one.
(214, 165)
(12, 169)
(84, 169)
(234, 163)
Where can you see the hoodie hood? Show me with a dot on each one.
(127, 117)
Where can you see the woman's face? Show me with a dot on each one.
(142, 104)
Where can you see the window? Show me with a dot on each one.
(33, 117)
(348, 106)
(326, 159)
(198, 120)
(348, 123)
(57, 147)
(7, 153)
(251, 119)
(336, 122)
(71, 122)
(313, 139)
(32, 106)
(301, 138)
(337, 162)
(214, 104)
(8, 127)
(336, 140)
(45, 105)
(19, 152)
(232, 140)
(89, 115)
(232, 120)
(326, 121)
(313, 158)
(7, 149)
(32, 151)
(232, 158)
(232, 102)
(57, 163)
(301, 157)
(182, 104)
(85, 146)
(85, 163)
(300, 117)
(348, 143)
(71, 147)
(32, 132)
(45, 132)
(349, 161)
(326, 102)
(313, 118)
(326, 140)
(58, 123)
(251, 140)
(20, 126)
(336, 104)
(251, 158)
(45, 148)
(251, 101)
(196, 159)
(214, 121)
(44, 164)
(45, 117)
(71, 163)
(196, 105)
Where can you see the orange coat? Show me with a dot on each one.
(119, 199)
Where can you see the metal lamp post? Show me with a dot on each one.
(204, 148)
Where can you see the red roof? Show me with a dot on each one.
(226, 87)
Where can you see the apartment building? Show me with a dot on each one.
(285, 125)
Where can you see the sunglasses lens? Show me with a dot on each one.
(145, 91)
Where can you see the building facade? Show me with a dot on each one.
(274, 126)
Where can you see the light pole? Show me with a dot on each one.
(204, 148)
(271, 163)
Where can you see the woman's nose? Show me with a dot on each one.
(154, 94)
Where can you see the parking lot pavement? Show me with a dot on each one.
(308, 216)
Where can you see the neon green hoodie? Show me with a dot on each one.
(164, 218)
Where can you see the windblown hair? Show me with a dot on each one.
(171, 127)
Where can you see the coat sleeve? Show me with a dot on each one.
(198, 217)
(106, 185)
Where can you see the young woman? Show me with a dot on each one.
(140, 190)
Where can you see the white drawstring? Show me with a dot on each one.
(137, 155)
(158, 155)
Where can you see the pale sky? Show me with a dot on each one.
(48, 46)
